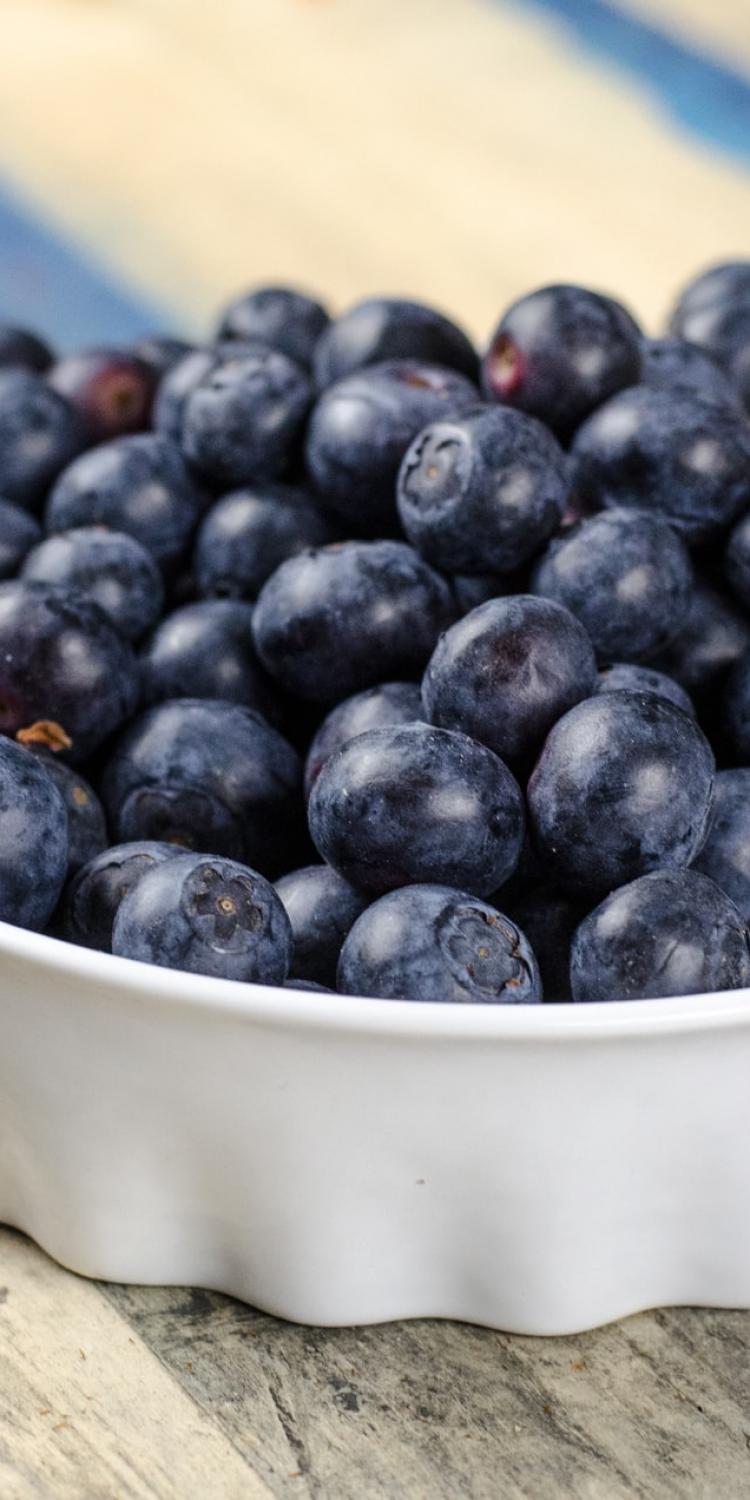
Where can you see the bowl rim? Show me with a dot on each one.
(305, 1010)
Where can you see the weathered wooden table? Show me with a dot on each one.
(146, 1393)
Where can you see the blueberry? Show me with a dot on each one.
(361, 427)
(181, 588)
(483, 492)
(33, 839)
(375, 708)
(109, 567)
(507, 671)
(725, 334)
(87, 825)
(626, 576)
(22, 350)
(321, 908)
(278, 316)
(205, 650)
(243, 421)
(39, 434)
(548, 918)
(673, 453)
(622, 787)
(391, 328)
(186, 373)
(670, 933)
(721, 285)
(308, 984)
(135, 484)
(471, 589)
(429, 942)
(736, 709)
(714, 312)
(527, 879)
(161, 352)
(67, 678)
(112, 390)
(411, 803)
(175, 386)
(713, 637)
(92, 898)
(725, 856)
(625, 677)
(248, 533)
(332, 621)
(737, 560)
(212, 776)
(206, 916)
(19, 532)
(736, 354)
(676, 365)
(559, 352)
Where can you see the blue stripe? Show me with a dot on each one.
(56, 289)
(704, 95)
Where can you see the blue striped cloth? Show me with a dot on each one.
(61, 281)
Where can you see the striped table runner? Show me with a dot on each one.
(156, 155)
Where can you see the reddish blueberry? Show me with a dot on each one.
(559, 352)
(112, 391)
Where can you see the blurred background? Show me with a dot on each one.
(158, 155)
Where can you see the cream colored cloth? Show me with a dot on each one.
(458, 150)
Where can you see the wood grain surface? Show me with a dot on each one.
(144, 1393)
(460, 150)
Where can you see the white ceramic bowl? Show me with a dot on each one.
(334, 1161)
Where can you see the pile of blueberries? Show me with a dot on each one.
(334, 655)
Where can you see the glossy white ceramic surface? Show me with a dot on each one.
(540, 1169)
